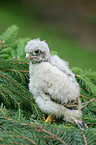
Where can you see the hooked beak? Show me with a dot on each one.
(27, 56)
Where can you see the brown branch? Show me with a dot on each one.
(29, 102)
(23, 138)
(8, 118)
(84, 80)
(13, 83)
(87, 103)
(15, 102)
(84, 97)
(19, 70)
(2, 111)
(3, 95)
(13, 142)
(1, 138)
(84, 138)
(87, 97)
(53, 136)
(19, 110)
(19, 63)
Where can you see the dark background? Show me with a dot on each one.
(68, 26)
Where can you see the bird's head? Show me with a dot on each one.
(37, 51)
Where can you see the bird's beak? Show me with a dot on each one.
(27, 56)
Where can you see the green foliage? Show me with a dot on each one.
(10, 34)
(22, 122)
(10, 45)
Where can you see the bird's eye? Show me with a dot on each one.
(37, 51)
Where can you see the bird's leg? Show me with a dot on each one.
(49, 119)
(81, 124)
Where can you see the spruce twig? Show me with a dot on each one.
(21, 121)
(18, 136)
(88, 103)
(84, 137)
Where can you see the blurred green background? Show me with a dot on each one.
(69, 27)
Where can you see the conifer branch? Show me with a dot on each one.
(37, 129)
(53, 136)
(86, 103)
(21, 121)
(3, 95)
(84, 137)
(19, 71)
(2, 111)
(14, 83)
(90, 87)
(18, 136)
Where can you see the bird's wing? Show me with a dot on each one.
(71, 105)
(61, 64)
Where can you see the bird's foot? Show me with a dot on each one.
(81, 124)
(49, 119)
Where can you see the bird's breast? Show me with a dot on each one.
(59, 85)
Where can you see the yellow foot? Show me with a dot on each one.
(49, 119)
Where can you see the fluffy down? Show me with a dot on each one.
(52, 83)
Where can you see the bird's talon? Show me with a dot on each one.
(50, 119)
(44, 117)
(81, 125)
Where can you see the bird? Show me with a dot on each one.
(53, 84)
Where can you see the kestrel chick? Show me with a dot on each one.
(53, 84)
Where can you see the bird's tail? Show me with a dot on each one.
(81, 125)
